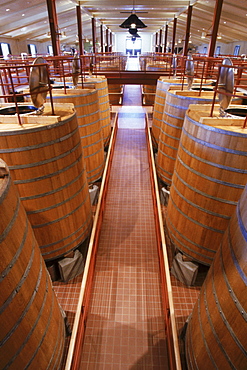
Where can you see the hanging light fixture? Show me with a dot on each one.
(133, 21)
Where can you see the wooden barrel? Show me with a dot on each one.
(115, 90)
(209, 177)
(115, 94)
(149, 94)
(177, 102)
(86, 103)
(46, 162)
(32, 327)
(163, 85)
(216, 333)
(99, 83)
(149, 90)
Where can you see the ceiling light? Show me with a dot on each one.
(132, 20)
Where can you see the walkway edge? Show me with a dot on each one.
(76, 341)
(169, 313)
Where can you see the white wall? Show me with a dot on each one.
(120, 41)
(226, 49)
(18, 47)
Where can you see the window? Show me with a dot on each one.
(50, 49)
(133, 45)
(236, 50)
(32, 49)
(5, 50)
(217, 51)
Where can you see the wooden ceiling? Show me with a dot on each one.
(28, 19)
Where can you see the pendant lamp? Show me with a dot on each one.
(133, 22)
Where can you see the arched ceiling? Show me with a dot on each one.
(28, 19)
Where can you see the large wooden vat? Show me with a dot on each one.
(177, 102)
(32, 327)
(216, 333)
(163, 85)
(115, 90)
(86, 103)
(149, 90)
(99, 83)
(209, 177)
(115, 94)
(46, 161)
(148, 94)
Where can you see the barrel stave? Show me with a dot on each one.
(32, 327)
(216, 334)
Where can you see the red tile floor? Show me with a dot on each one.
(125, 327)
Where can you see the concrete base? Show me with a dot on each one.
(184, 271)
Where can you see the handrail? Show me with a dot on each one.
(11, 79)
(240, 71)
(73, 356)
(172, 336)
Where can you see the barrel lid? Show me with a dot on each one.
(38, 82)
(4, 179)
(75, 69)
(226, 84)
(4, 171)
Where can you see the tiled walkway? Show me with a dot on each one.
(125, 326)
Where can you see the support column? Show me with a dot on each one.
(51, 6)
(101, 39)
(110, 49)
(156, 42)
(216, 21)
(174, 34)
(107, 40)
(165, 40)
(79, 26)
(160, 43)
(187, 34)
(94, 35)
